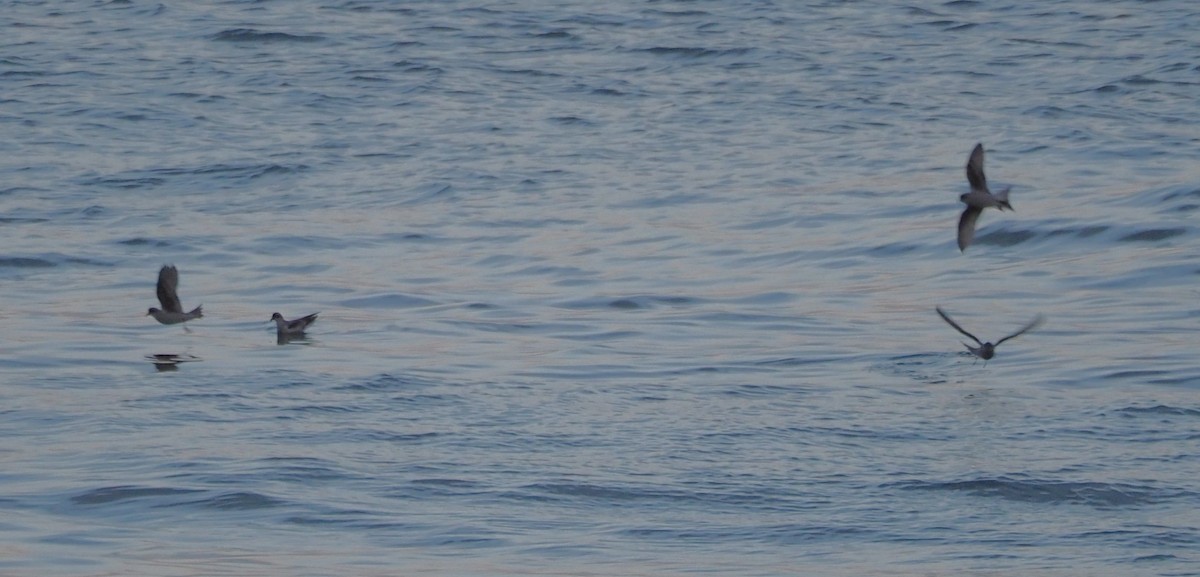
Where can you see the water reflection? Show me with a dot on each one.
(169, 361)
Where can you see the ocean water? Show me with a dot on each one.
(624, 288)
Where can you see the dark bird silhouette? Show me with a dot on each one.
(978, 199)
(172, 311)
(285, 329)
(986, 351)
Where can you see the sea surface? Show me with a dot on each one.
(605, 288)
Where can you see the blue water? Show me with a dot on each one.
(632, 288)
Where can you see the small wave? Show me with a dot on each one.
(387, 382)
(410, 66)
(630, 302)
(20, 262)
(252, 35)
(694, 52)
(142, 241)
(1005, 238)
(124, 183)
(1160, 410)
(1153, 235)
(241, 501)
(125, 493)
(387, 301)
(1102, 495)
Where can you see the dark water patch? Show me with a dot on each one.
(240, 501)
(123, 183)
(1177, 380)
(299, 469)
(198, 97)
(801, 361)
(387, 301)
(608, 92)
(306, 269)
(308, 243)
(571, 121)
(527, 72)
(894, 249)
(1138, 80)
(1080, 232)
(1153, 235)
(22, 262)
(558, 34)
(1099, 495)
(416, 67)
(1005, 238)
(120, 493)
(247, 171)
(252, 36)
(677, 13)
(570, 272)
(21, 220)
(1159, 410)
(386, 382)
(142, 241)
(602, 336)
(165, 362)
(694, 52)
(93, 211)
(1133, 375)
(608, 495)
(767, 298)
(22, 190)
(372, 435)
(630, 303)
(317, 409)
(759, 391)
(1182, 200)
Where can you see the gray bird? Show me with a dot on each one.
(978, 199)
(172, 312)
(986, 351)
(285, 329)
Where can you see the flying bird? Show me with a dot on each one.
(171, 312)
(978, 199)
(285, 329)
(986, 351)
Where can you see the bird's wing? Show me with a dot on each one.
(951, 322)
(966, 226)
(975, 169)
(168, 279)
(1038, 320)
(303, 322)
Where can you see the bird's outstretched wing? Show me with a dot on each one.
(966, 226)
(302, 322)
(951, 322)
(168, 280)
(1037, 321)
(975, 169)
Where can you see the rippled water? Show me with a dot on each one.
(605, 289)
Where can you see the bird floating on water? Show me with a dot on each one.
(986, 351)
(285, 329)
(172, 311)
(978, 199)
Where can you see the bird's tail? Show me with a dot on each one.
(1002, 198)
(196, 312)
